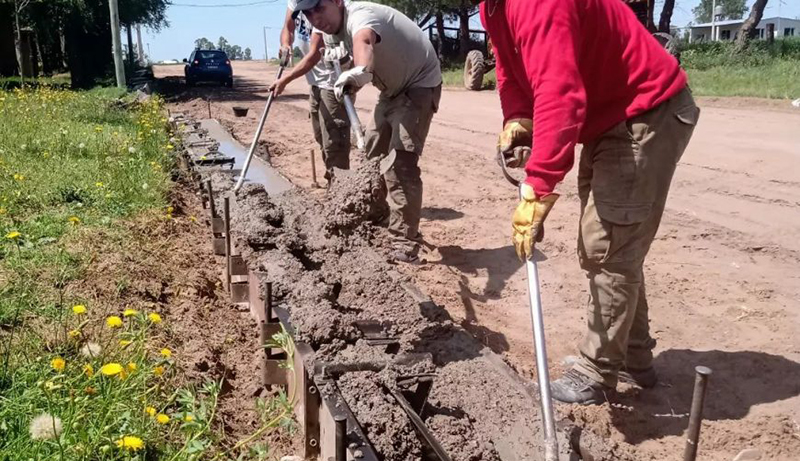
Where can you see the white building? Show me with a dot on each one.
(729, 29)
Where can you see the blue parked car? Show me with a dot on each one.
(208, 66)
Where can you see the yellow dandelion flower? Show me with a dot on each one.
(130, 443)
(114, 322)
(98, 129)
(170, 209)
(88, 370)
(129, 312)
(13, 235)
(166, 352)
(154, 317)
(98, 184)
(203, 157)
(58, 364)
(3, 211)
(162, 418)
(150, 411)
(170, 147)
(79, 309)
(188, 418)
(158, 371)
(131, 367)
(73, 334)
(192, 219)
(74, 220)
(125, 342)
(111, 369)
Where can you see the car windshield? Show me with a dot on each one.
(211, 55)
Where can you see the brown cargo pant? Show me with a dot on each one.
(331, 129)
(623, 182)
(396, 134)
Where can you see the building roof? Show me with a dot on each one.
(730, 22)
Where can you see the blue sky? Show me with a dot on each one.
(243, 25)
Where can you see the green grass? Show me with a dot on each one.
(779, 79)
(78, 375)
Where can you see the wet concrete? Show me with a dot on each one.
(260, 171)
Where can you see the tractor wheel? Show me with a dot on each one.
(670, 44)
(473, 71)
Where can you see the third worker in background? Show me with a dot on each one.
(390, 51)
(586, 71)
(328, 115)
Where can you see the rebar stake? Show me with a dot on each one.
(696, 415)
(314, 182)
(341, 437)
(227, 217)
(211, 206)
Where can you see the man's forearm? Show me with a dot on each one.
(304, 66)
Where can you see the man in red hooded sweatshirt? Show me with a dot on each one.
(586, 71)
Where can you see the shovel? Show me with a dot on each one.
(258, 134)
(537, 321)
(355, 123)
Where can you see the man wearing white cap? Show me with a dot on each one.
(390, 51)
(328, 115)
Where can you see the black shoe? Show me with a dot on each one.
(575, 387)
(400, 256)
(643, 378)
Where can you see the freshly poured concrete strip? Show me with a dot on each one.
(260, 171)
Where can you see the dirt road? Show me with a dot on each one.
(723, 275)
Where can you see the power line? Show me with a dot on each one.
(223, 5)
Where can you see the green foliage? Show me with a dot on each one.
(707, 55)
(779, 79)
(75, 384)
(233, 51)
(731, 9)
(758, 70)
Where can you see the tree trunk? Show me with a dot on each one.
(440, 32)
(666, 16)
(131, 54)
(18, 42)
(463, 25)
(748, 30)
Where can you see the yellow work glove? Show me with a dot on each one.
(515, 142)
(528, 220)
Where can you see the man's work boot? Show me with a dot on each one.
(575, 387)
(645, 379)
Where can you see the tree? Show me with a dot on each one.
(234, 52)
(23, 52)
(248, 55)
(748, 31)
(204, 44)
(731, 9)
(664, 22)
(222, 44)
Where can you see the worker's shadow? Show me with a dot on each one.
(740, 380)
(500, 264)
(440, 214)
(447, 343)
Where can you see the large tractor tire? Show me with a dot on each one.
(670, 44)
(474, 71)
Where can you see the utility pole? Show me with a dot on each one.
(266, 47)
(119, 67)
(713, 20)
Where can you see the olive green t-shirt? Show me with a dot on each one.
(404, 58)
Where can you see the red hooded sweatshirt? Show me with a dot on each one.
(577, 68)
